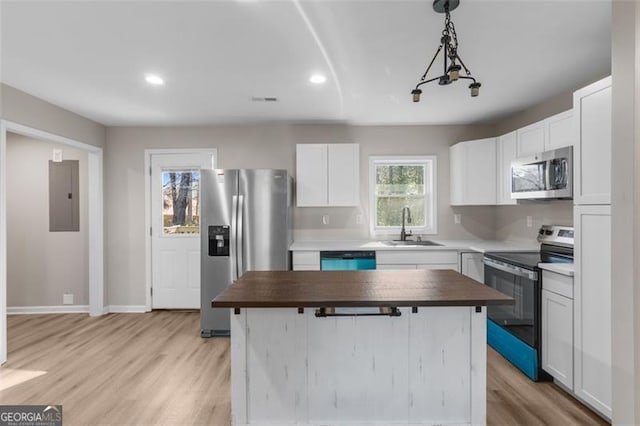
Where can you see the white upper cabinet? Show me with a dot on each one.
(506, 151)
(559, 130)
(592, 152)
(531, 139)
(473, 172)
(311, 175)
(551, 133)
(457, 154)
(327, 175)
(344, 174)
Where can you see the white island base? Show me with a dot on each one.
(424, 368)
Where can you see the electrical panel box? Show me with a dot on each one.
(64, 200)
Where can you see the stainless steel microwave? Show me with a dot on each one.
(547, 175)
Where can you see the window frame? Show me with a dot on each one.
(430, 200)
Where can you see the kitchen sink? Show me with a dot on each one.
(410, 243)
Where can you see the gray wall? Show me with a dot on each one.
(42, 265)
(22, 108)
(625, 209)
(554, 105)
(265, 146)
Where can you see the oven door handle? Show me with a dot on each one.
(515, 270)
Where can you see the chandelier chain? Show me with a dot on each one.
(449, 32)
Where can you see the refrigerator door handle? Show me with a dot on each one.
(240, 235)
(233, 243)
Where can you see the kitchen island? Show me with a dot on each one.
(358, 347)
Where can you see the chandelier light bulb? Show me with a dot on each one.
(454, 72)
(416, 95)
(475, 89)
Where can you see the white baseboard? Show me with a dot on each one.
(73, 309)
(32, 310)
(127, 308)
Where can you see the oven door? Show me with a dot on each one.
(520, 318)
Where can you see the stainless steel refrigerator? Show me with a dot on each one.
(245, 225)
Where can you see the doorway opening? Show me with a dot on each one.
(94, 213)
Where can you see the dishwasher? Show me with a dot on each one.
(351, 261)
(347, 260)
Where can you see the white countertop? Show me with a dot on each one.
(560, 268)
(480, 246)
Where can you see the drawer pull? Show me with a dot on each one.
(384, 312)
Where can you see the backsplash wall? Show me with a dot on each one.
(511, 221)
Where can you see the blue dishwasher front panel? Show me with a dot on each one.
(347, 260)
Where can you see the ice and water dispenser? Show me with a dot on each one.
(218, 240)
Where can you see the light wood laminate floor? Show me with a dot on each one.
(155, 369)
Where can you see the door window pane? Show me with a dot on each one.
(181, 202)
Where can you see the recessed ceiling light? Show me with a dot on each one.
(264, 99)
(154, 79)
(317, 79)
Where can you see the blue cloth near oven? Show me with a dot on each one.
(515, 350)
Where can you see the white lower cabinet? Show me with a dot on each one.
(452, 266)
(306, 260)
(388, 260)
(421, 368)
(417, 259)
(394, 266)
(557, 335)
(592, 306)
(471, 265)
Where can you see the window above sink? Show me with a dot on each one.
(397, 182)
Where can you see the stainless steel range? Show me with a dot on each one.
(514, 330)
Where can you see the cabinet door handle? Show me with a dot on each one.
(323, 313)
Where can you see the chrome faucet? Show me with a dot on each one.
(403, 233)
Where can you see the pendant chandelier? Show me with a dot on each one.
(452, 62)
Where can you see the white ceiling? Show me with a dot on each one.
(91, 57)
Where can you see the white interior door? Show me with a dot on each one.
(175, 229)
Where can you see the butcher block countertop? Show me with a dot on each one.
(291, 289)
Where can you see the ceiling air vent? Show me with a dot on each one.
(264, 99)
